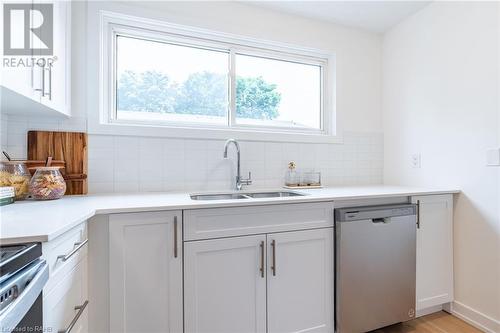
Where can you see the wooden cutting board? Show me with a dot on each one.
(70, 147)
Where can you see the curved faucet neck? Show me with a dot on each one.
(228, 142)
(238, 168)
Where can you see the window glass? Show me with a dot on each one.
(157, 81)
(272, 92)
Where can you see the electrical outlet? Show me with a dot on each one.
(415, 161)
(493, 157)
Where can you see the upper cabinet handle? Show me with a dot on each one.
(50, 83)
(175, 237)
(78, 245)
(42, 89)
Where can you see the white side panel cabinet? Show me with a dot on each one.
(434, 250)
(145, 272)
(300, 281)
(225, 285)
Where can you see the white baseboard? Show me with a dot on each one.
(426, 311)
(475, 318)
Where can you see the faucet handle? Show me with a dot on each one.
(247, 181)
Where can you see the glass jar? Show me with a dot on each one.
(15, 174)
(47, 184)
(291, 176)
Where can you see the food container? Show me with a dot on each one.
(310, 178)
(47, 184)
(15, 174)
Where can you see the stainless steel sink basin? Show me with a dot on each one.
(254, 195)
(224, 196)
(281, 194)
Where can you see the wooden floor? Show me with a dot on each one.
(439, 322)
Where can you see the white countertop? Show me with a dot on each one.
(42, 221)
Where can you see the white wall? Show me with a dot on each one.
(118, 163)
(440, 99)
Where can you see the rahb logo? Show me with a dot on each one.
(28, 29)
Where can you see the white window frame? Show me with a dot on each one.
(114, 24)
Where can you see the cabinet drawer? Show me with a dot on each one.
(68, 245)
(65, 305)
(237, 221)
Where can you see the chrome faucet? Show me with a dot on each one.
(239, 181)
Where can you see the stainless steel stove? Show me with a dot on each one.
(23, 275)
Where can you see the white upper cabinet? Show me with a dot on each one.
(42, 84)
(300, 293)
(434, 250)
(145, 272)
(57, 87)
(225, 285)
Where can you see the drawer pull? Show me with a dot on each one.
(78, 245)
(80, 309)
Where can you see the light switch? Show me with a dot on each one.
(493, 157)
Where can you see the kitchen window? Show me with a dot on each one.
(183, 78)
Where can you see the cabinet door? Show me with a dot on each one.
(145, 272)
(59, 304)
(225, 285)
(434, 250)
(18, 77)
(57, 74)
(300, 281)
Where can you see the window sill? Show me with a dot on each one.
(209, 134)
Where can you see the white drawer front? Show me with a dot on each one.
(237, 221)
(59, 304)
(63, 246)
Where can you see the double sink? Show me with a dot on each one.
(254, 195)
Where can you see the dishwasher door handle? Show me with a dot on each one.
(384, 220)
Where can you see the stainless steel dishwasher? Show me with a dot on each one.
(374, 266)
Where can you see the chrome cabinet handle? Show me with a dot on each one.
(261, 269)
(78, 245)
(175, 237)
(50, 83)
(273, 266)
(42, 89)
(418, 214)
(80, 309)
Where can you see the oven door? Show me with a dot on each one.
(21, 298)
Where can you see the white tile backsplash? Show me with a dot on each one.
(123, 164)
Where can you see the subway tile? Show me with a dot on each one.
(100, 170)
(100, 142)
(100, 187)
(150, 186)
(121, 163)
(125, 187)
